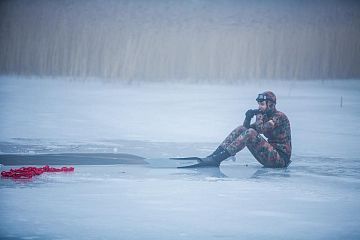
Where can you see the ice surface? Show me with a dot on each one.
(317, 197)
(137, 202)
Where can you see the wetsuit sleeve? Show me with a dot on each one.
(253, 126)
(247, 122)
(264, 124)
(259, 123)
(272, 123)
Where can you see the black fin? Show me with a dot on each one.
(199, 165)
(187, 158)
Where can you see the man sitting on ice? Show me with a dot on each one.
(275, 152)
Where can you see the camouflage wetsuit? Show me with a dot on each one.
(275, 152)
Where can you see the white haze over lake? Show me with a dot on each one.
(167, 40)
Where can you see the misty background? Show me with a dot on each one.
(186, 41)
(105, 78)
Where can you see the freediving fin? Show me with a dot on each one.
(187, 158)
(200, 162)
(199, 165)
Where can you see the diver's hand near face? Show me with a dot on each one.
(248, 116)
(251, 113)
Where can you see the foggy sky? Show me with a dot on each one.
(181, 40)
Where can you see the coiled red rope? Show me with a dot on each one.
(29, 172)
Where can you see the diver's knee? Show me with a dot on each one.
(252, 133)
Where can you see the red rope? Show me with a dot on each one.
(29, 172)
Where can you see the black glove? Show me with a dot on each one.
(251, 113)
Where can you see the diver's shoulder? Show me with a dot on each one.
(280, 114)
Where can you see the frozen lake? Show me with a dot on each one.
(317, 197)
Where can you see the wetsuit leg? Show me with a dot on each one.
(265, 153)
(240, 141)
(233, 136)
